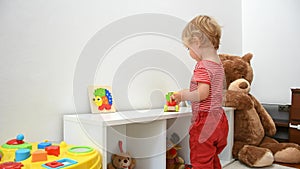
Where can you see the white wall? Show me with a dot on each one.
(271, 33)
(41, 43)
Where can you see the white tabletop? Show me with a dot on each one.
(131, 116)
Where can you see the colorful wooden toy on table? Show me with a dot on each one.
(101, 99)
(17, 154)
(171, 104)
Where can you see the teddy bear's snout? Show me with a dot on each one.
(243, 85)
(125, 161)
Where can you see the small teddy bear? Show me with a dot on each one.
(173, 160)
(121, 160)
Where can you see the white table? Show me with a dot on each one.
(143, 132)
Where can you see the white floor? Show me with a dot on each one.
(225, 163)
(239, 165)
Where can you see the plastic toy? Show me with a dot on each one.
(1, 154)
(53, 150)
(12, 165)
(39, 155)
(171, 105)
(17, 154)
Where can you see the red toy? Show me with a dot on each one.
(171, 104)
(11, 165)
(53, 150)
(17, 141)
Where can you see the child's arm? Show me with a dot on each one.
(197, 95)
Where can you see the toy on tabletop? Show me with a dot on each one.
(1, 155)
(39, 155)
(63, 144)
(17, 143)
(101, 99)
(22, 154)
(53, 150)
(44, 144)
(11, 165)
(62, 163)
(18, 140)
(122, 160)
(16, 154)
(171, 104)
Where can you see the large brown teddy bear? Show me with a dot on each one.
(254, 127)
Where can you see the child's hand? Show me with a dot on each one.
(177, 97)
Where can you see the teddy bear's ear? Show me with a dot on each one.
(177, 147)
(247, 57)
(223, 57)
(113, 156)
(127, 154)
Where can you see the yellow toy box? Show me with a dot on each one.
(17, 154)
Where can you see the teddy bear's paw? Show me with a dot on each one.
(288, 155)
(182, 166)
(266, 160)
(180, 160)
(255, 156)
(238, 100)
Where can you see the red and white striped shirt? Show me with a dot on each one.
(211, 73)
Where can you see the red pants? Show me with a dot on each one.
(208, 137)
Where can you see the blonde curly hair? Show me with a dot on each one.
(203, 28)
